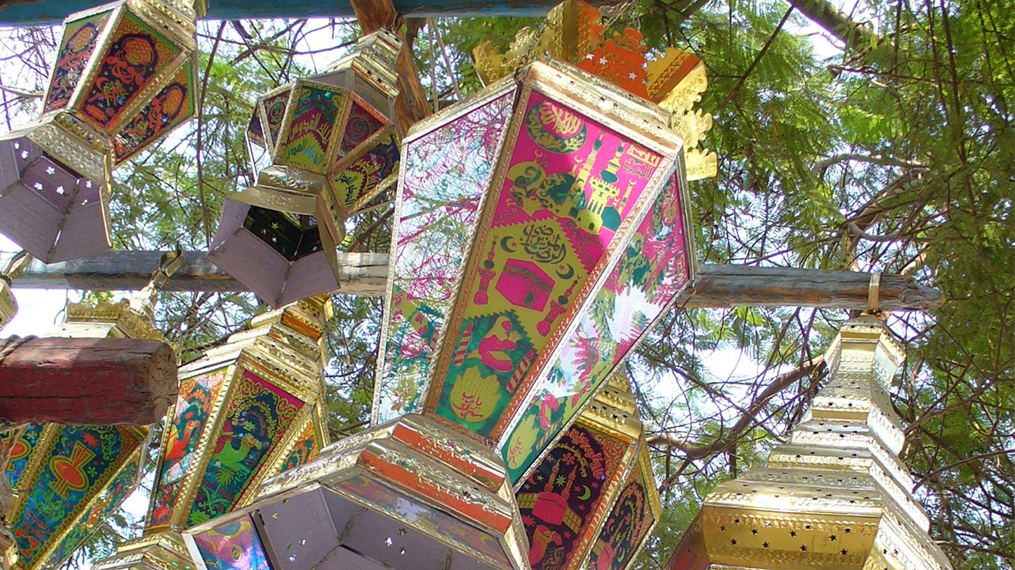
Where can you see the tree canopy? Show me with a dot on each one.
(876, 139)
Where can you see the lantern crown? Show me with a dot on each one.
(573, 32)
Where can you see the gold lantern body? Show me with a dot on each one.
(547, 177)
(330, 145)
(245, 409)
(123, 78)
(836, 495)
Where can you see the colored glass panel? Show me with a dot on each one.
(79, 42)
(366, 172)
(258, 417)
(136, 55)
(234, 545)
(20, 451)
(431, 521)
(557, 502)
(569, 185)
(445, 174)
(170, 107)
(650, 274)
(307, 142)
(626, 527)
(191, 413)
(80, 461)
(304, 451)
(112, 497)
(362, 123)
(274, 110)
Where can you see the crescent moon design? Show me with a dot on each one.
(568, 275)
(504, 244)
(585, 494)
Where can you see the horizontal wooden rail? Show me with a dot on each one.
(365, 274)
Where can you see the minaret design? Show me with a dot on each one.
(836, 495)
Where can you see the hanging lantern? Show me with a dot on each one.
(836, 495)
(245, 409)
(565, 501)
(448, 164)
(635, 512)
(123, 78)
(579, 167)
(68, 480)
(332, 146)
(8, 303)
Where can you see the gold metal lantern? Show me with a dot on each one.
(330, 146)
(123, 78)
(836, 495)
(547, 177)
(246, 409)
(585, 504)
(8, 303)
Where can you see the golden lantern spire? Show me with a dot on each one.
(836, 495)
(573, 32)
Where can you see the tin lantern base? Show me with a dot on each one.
(54, 211)
(281, 257)
(410, 494)
(158, 551)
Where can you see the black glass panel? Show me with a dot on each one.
(293, 236)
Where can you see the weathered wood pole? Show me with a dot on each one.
(87, 381)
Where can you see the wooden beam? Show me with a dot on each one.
(717, 286)
(88, 381)
(29, 12)
(362, 273)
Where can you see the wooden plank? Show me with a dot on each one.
(28, 12)
(362, 273)
(717, 286)
(88, 381)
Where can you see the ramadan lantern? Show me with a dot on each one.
(124, 77)
(8, 303)
(332, 144)
(447, 167)
(836, 495)
(635, 512)
(578, 167)
(245, 409)
(564, 503)
(68, 480)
